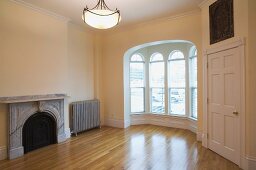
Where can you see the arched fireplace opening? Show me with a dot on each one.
(39, 130)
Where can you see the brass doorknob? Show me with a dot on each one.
(235, 112)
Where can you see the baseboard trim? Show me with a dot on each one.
(118, 123)
(251, 162)
(127, 124)
(199, 136)
(3, 152)
(165, 120)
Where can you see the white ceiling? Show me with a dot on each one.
(132, 11)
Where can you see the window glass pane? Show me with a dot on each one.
(157, 100)
(193, 85)
(136, 57)
(176, 55)
(157, 74)
(177, 73)
(157, 57)
(194, 102)
(177, 101)
(195, 53)
(136, 74)
(193, 72)
(137, 99)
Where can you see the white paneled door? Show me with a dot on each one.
(224, 95)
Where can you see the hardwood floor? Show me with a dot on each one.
(136, 148)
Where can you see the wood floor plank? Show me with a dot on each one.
(135, 148)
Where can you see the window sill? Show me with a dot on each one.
(181, 122)
(192, 118)
(165, 115)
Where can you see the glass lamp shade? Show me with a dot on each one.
(101, 19)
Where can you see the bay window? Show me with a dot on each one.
(164, 82)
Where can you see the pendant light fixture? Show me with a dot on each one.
(100, 16)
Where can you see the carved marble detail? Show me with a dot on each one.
(20, 112)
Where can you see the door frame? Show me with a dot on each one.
(240, 44)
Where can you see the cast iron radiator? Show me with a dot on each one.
(85, 115)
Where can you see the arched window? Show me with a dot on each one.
(193, 82)
(163, 83)
(177, 83)
(137, 83)
(157, 94)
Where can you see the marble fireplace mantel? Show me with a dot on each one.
(22, 107)
(19, 99)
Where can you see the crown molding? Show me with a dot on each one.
(154, 21)
(41, 10)
(170, 18)
(204, 3)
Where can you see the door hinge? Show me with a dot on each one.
(207, 136)
(207, 100)
(207, 65)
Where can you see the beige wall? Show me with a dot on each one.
(251, 79)
(118, 41)
(242, 30)
(80, 75)
(80, 63)
(42, 54)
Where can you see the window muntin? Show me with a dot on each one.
(157, 76)
(193, 83)
(177, 83)
(137, 84)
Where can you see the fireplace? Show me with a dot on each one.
(38, 131)
(34, 122)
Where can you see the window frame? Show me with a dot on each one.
(193, 54)
(170, 88)
(150, 86)
(144, 84)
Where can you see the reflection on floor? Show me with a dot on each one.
(136, 148)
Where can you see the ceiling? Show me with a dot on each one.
(132, 11)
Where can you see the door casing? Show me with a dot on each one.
(240, 44)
